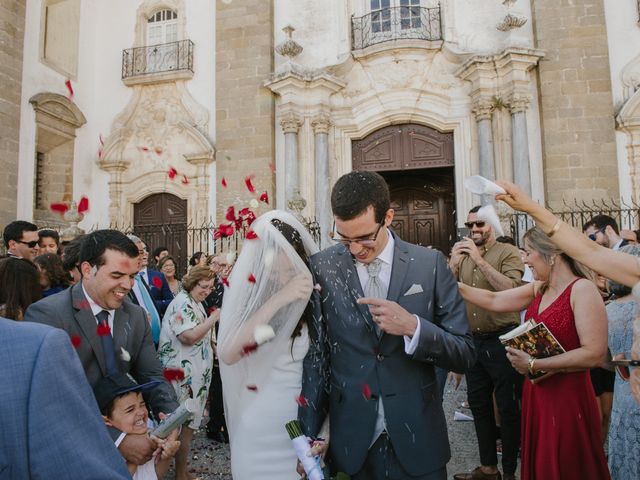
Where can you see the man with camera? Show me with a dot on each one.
(478, 260)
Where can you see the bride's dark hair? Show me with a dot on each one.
(292, 236)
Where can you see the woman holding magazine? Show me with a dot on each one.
(561, 437)
(262, 342)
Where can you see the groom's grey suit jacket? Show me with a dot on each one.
(346, 354)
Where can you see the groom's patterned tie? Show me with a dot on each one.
(375, 288)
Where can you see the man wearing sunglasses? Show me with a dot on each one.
(21, 239)
(604, 230)
(480, 261)
(385, 314)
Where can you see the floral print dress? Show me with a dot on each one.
(196, 360)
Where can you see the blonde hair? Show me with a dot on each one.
(541, 243)
(195, 275)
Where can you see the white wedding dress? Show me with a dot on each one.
(261, 448)
(269, 288)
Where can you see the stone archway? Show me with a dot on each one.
(57, 120)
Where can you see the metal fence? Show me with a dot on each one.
(396, 23)
(578, 213)
(167, 57)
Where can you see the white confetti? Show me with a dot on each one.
(124, 355)
(263, 333)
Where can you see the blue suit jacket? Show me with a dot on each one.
(162, 296)
(50, 426)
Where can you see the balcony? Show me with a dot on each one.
(158, 63)
(396, 23)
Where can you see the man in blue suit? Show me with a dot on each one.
(50, 426)
(155, 280)
(385, 314)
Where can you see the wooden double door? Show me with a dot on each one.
(417, 163)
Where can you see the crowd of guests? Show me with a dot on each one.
(553, 413)
(93, 282)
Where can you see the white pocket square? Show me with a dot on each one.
(415, 288)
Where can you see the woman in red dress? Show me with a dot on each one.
(561, 437)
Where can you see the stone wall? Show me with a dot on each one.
(244, 107)
(576, 102)
(12, 15)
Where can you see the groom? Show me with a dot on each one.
(385, 313)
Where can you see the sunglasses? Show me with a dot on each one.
(594, 235)
(625, 366)
(365, 242)
(29, 244)
(470, 225)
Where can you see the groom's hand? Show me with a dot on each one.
(391, 317)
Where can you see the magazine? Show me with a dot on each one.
(535, 339)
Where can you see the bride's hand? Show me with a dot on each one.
(318, 448)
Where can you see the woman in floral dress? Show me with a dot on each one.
(186, 344)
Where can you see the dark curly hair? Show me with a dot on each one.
(356, 191)
(51, 266)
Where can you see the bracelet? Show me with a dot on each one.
(555, 228)
(530, 365)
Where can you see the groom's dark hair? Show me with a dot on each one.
(354, 192)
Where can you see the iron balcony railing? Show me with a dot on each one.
(396, 23)
(166, 57)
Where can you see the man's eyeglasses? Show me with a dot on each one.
(31, 244)
(478, 224)
(367, 241)
(594, 235)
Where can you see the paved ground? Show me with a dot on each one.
(211, 460)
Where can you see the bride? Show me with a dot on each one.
(270, 286)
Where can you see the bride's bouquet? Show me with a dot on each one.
(301, 445)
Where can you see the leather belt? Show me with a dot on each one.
(495, 333)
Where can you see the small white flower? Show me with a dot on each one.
(254, 203)
(124, 355)
(263, 333)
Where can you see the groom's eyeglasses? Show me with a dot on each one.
(366, 241)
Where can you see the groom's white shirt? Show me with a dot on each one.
(386, 257)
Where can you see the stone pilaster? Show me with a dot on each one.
(291, 123)
(321, 124)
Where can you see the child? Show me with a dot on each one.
(122, 406)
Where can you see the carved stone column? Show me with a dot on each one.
(291, 123)
(520, 142)
(483, 110)
(321, 124)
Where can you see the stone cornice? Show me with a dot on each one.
(294, 76)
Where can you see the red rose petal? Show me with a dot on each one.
(172, 173)
(83, 205)
(247, 182)
(60, 208)
(251, 235)
(143, 149)
(264, 197)
(75, 340)
(231, 214)
(69, 89)
(301, 401)
(83, 304)
(185, 180)
(225, 282)
(250, 218)
(226, 229)
(223, 182)
(157, 282)
(366, 392)
(253, 388)
(173, 374)
(103, 330)
(251, 278)
(249, 348)
(244, 212)
(210, 310)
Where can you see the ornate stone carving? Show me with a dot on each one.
(630, 77)
(289, 48)
(510, 22)
(519, 103)
(321, 123)
(483, 108)
(291, 122)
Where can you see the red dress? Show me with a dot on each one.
(560, 419)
